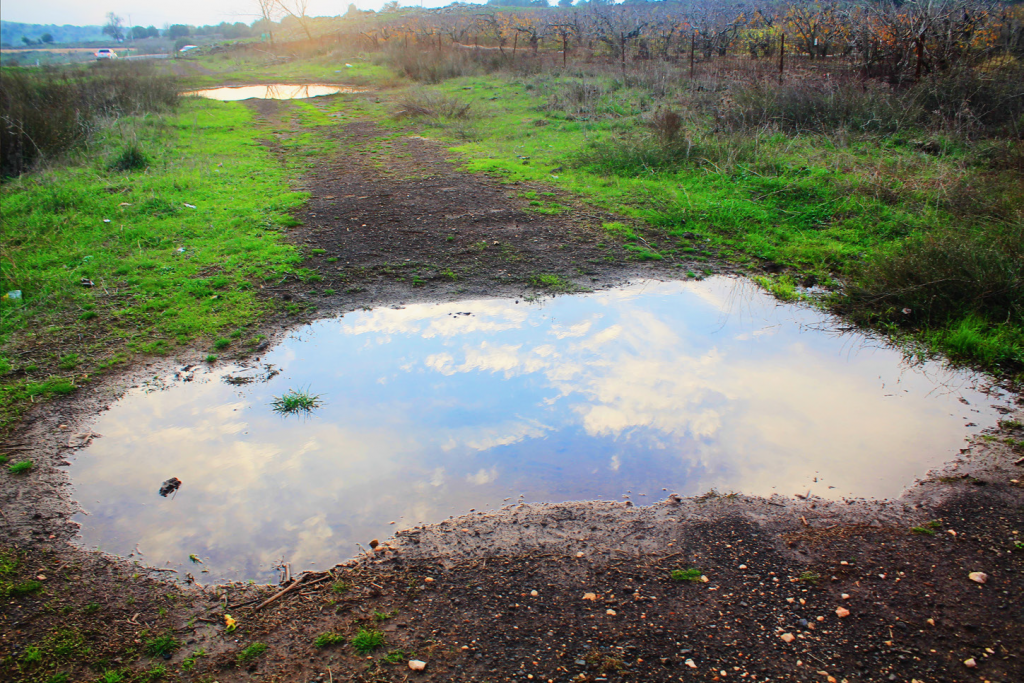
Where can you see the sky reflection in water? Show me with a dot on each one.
(430, 412)
(277, 91)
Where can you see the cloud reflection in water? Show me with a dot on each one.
(430, 412)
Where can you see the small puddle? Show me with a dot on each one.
(277, 91)
(433, 409)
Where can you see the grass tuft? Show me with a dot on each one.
(161, 646)
(326, 639)
(296, 401)
(20, 467)
(251, 652)
(367, 640)
(685, 574)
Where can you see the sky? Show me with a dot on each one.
(153, 13)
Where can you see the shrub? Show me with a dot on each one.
(131, 158)
(419, 104)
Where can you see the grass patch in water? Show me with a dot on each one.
(296, 401)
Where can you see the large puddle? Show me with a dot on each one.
(434, 409)
(277, 91)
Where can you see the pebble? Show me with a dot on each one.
(842, 612)
(590, 596)
(534, 594)
(428, 580)
(978, 577)
(704, 579)
(417, 665)
(788, 637)
(743, 566)
(579, 554)
(690, 663)
(970, 663)
(611, 612)
(845, 596)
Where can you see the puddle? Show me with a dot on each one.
(434, 409)
(277, 91)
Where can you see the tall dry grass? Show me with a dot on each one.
(45, 113)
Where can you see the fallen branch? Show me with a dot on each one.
(303, 581)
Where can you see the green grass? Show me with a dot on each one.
(296, 401)
(165, 274)
(20, 467)
(326, 639)
(250, 653)
(190, 662)
(161, 645)
(397, 656)
(809, 577)
(821, 207)
(366, 641)
(552, 283)
(340, 587)
(685, 574)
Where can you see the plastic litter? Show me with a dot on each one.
(191, 206)
(13, 295)
(170, 486)
(180, 250)
(106, 220)
(86, 282)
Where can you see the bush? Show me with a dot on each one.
(418, 104)
(130, 159)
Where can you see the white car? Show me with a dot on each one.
(105, 53)
(189, 48)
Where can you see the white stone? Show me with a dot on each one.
(788, 637)
(534, 593)
(590, 596)
(417, 665)
(842, 612)
(611, 612)
(970, 663)
(689, 663)
(978, 577)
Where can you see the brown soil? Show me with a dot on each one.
(393, 218)
(459, 594)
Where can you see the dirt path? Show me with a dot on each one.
(391, 217)
(398, 217)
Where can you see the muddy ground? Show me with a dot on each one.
(770, 575)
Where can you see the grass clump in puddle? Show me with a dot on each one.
(250, 653)
(367, 640)
(296, 401)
